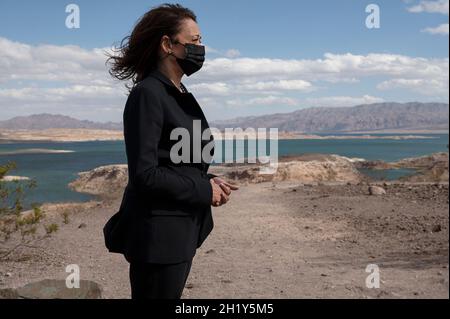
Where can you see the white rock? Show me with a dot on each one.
(376, 190)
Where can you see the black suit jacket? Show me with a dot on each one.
(165, 214)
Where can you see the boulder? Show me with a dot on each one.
(8, 293)
(53, 289)
(376, 190)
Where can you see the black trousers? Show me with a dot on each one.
(158, 281)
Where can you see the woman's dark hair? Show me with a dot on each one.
(137, 54)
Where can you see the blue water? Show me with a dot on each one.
(379, 149)
(54, 171)
(376, 149)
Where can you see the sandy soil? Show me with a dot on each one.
(279, 240)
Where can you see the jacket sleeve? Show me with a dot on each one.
(211, 175)
(145, 118)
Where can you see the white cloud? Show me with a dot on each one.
(439, 6)
(66, 63)
(426, 87)
(70, 79)
(78, 92)
(337, 101)
(440, 30)
(290, 85)
(207, 89)
(246, 87)
(331, 68)
(231, 53)
(268, 100)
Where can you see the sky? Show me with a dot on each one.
(263, 56)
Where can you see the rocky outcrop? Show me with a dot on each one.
(109, 181)
(106, 181)
(308, 168)
(436, 172)
(430, 168)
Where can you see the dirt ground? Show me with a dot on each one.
(279, 240)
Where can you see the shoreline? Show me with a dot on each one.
(89, 135)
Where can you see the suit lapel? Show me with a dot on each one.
(186, 100)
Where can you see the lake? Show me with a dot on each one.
(53, 171)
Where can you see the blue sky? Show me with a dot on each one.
(240, 33)
(281, 29)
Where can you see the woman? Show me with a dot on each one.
(165, 214)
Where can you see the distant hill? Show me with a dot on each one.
(367, 117)
(46, 121)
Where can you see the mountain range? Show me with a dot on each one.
(46, 121)
(367, 117)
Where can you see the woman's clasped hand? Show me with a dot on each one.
(221, 191)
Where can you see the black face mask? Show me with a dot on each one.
(194, 58)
